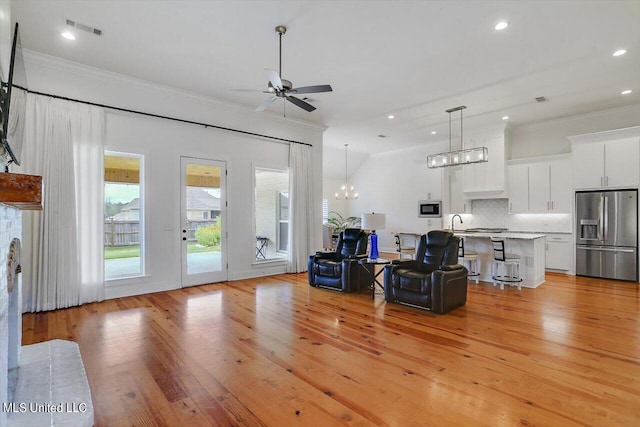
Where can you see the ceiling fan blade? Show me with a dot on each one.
(300, 103)
(275, 79)
(247, 90)
(312, 89)
(266, 103)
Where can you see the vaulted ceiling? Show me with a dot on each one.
(409, 59)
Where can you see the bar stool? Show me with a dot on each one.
(403, 248)
(471, 257)
(506, 266)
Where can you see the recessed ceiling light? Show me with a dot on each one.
(619, 52)
(505, 117)
(390, 116)
(433, 132)
(501, 25)
(69, 36)
(626, 92)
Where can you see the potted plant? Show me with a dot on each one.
(339, 223)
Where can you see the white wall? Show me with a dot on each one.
(393, 183)
(550, 137)
(162, 142)
(6, 38)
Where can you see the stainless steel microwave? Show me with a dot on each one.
(430, 208)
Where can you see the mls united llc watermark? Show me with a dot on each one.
(34, 407)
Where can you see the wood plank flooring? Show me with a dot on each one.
(276, 352)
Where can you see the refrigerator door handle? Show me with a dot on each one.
(602, 221)
(605, 249)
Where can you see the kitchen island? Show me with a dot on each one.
(529, 246)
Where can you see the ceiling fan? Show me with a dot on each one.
(281, 88)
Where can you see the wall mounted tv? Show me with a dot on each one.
(13, 103)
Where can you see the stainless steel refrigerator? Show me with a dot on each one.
(607, 234)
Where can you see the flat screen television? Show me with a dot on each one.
(13, 103)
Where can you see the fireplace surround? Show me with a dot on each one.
(44, 383)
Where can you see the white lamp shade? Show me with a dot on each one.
(373, 221)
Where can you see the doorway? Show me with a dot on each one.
(203, 221)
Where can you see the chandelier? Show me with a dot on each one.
(346, 191)
(459, 157)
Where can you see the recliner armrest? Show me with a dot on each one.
(453, 267)
(328, 255)
(363, 256)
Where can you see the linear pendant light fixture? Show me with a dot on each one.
(346, 191)
(459, 157)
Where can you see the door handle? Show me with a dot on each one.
(184, 238)
(552, 205)
(184, 231)
(604, 249)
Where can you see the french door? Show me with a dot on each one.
(203, 221)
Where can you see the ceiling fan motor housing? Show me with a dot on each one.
(286, 85)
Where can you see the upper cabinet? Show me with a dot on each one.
(486, 180)
(608, 159)
(540, 186)
(457, 201)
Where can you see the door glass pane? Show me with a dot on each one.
(203, 218)
(123, 216)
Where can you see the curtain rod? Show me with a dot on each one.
(158, 116)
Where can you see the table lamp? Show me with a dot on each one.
(373, 221)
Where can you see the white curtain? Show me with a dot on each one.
(301, 212)
(63, 244)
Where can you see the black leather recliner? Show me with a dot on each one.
(340, 269)
(434, 280)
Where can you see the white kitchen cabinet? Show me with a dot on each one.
(457, 202)
(518, 188)
(621, 163)
(606, 159)
(487, 179)
(560, 191)
(540, 186)
(559, 252)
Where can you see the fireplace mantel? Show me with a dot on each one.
(21, 191)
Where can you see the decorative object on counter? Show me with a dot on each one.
(434, 281)
(340, 270)
(458, 157)
(347, 191)
(507, 266)
(340, 223)
(373, 222)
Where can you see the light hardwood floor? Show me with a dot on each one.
(274, 351)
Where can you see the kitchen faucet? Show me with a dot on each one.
(454, 217)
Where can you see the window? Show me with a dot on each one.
(325, 210)
(271, 213)
(282, 238)
(123, 216)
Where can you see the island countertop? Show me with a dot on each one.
(503, 235)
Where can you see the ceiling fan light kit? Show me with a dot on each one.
(457, 157)
(282, 88)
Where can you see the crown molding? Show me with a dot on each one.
(64, 65)
(578, 117)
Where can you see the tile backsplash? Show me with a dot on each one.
(494, 213)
